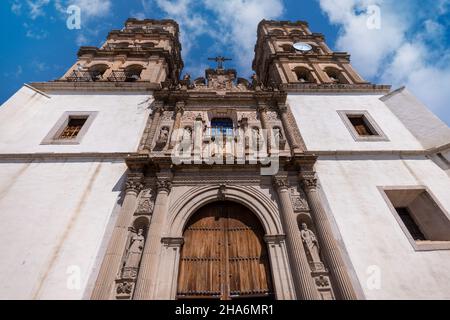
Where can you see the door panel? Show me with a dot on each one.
(224, 255)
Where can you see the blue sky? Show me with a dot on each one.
(402, 42)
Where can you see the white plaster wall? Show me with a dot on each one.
(370, 232)
(53, 215)
(323, 129)
(423, 124)
(27, 117)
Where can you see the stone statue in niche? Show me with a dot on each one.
(311, 243)
(280, 141)
(145, 206)
(163, 137)
(133, 255)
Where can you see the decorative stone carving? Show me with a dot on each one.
(221, 193)
(124, 289)
(167, 116)
(280, 141)
(299, 202)
(133, 255)
(322, 281)
(309, 181)
(146, 203)
(189, 116)
(164, 185)
(280, 182)
(133, 185)
(163, 137)
(272, 116)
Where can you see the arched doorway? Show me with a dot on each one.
(224, 255)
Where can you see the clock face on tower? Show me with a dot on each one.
(302, 47)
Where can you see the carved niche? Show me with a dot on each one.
(126, 281)
(163, 137)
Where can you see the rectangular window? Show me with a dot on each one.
(70, 128)
(73, 128)
(423, 220)
(361, 125)
(410, 224)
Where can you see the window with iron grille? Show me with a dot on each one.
(73, 128)
(70, 128)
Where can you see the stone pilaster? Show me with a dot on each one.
(303, 282)
(147, 277)
(111, 262)
(330, 249)
(157, 112)
(179, 110)
(288, 127)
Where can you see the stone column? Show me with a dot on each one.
(111, 262)
(158, 110)
(303, 282)
(283, 112)
(330, 249)
(262, 110)
(179, 110)
(147, 277)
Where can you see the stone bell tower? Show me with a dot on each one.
(143, 51)
(277, 61)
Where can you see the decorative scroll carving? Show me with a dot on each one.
(189, 116)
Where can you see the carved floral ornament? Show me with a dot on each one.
(164, 185)
(134, 185)
(309, 180)
(280, 182)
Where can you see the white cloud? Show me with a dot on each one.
(16, 7)
(93, 8)
(230, 24)
(36, 8)
(409, 48)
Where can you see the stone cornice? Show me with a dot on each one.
(172, 96)
(64, 156)
(100, 86)
(335, 88)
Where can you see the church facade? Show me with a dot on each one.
(125, 180)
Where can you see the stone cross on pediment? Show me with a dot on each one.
(220, 60)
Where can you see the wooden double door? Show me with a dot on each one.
(224, 255)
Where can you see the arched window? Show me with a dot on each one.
(296, 32)
(304, 75)
(133, 73)
(335, 75)
(97, 71)
(147, 45)
(277, 32)
(221, 126)
(121, 45)
(287, 47)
